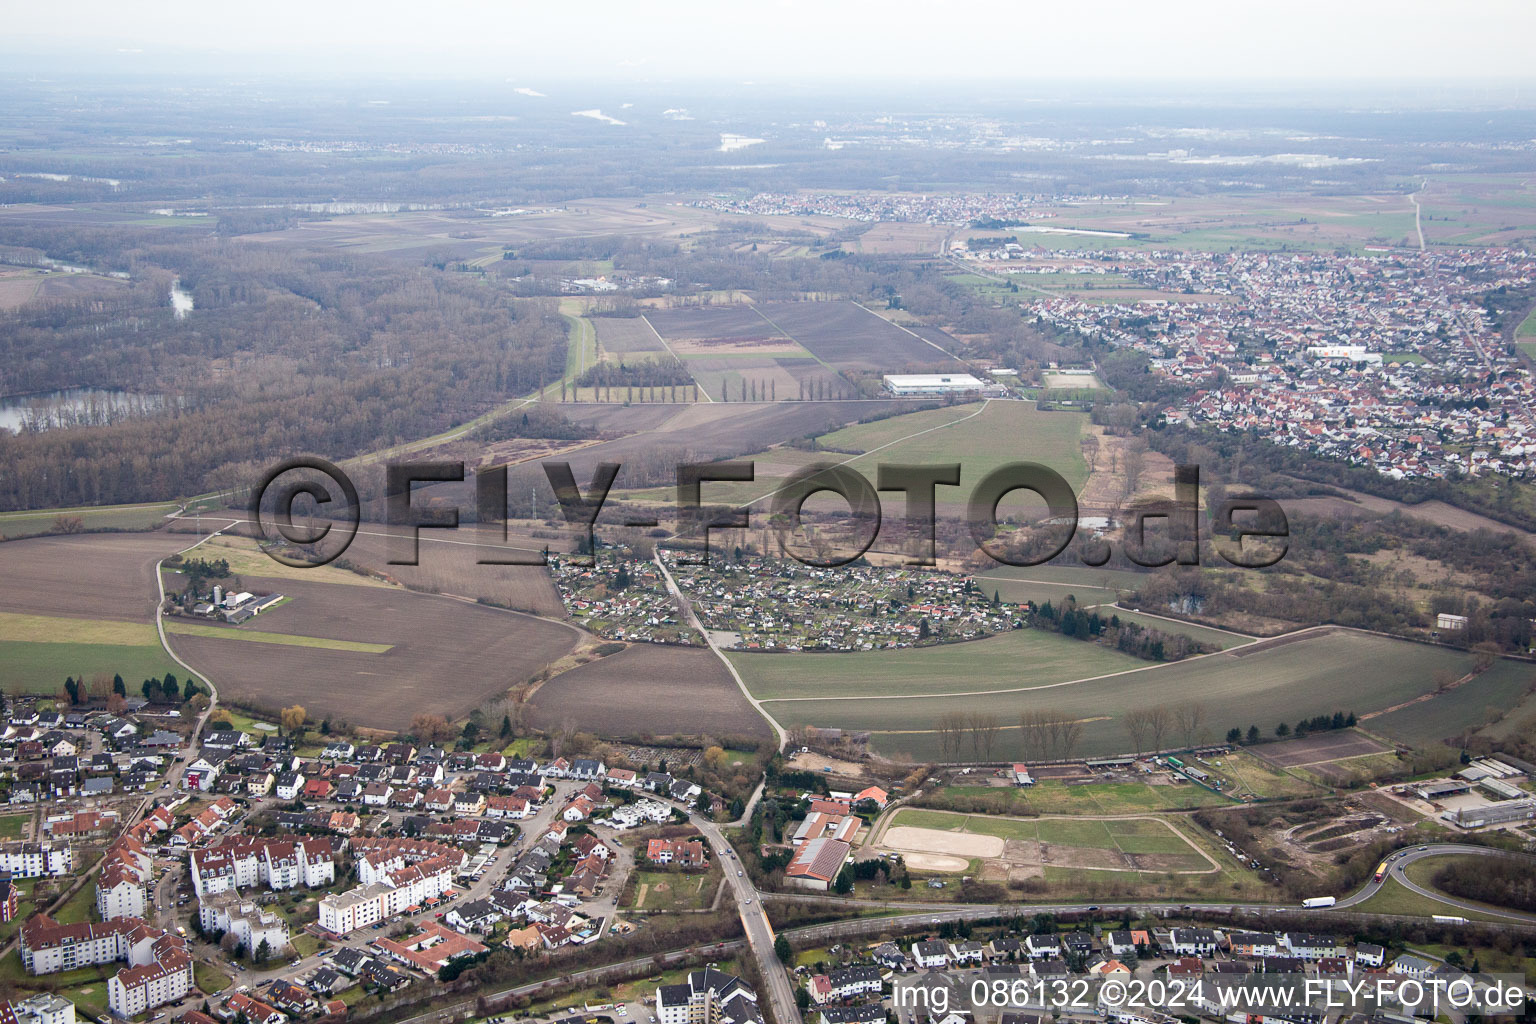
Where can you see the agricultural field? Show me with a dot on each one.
(449, 563)
(246, 559)
(107, 517)
(489, 651)
(37, 652)
(643, 690)
(1262, 684)
(624, 337)
(94, 576)
(19, 286)
(981, 436)
(656, 437)
(1320, 749)
(1221, 223)
(846, 336)
(41, 668)
(1465, 707)
(257, 636)
(1025, 658)
(737, 354)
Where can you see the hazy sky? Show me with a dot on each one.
(1295, 41)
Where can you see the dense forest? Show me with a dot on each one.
(333, 354)
(1486, 880)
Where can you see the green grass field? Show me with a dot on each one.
(209, 979)
(41, 667)
(282, 639)
(1527, 328)
(50, 629)
(1482, 700)
(12, 824)
(109, 517)
(1069, 575)
(1022, 657)
(1281, 683)
(1395, 899)
(663, 890)
(1204, 634)
(1050, 796)
(1004, 432)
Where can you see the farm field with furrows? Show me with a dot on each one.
(112, 575)
(449, 563)
(625, 336)
(490, 651)
(94, 619)
(1260, 685)
(849, 337)
(650, 690)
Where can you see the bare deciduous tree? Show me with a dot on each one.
(1159, 720)
(1190, 717)
(1136, 726)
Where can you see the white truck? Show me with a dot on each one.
(1320, 901)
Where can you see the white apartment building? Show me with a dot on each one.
(33, 860)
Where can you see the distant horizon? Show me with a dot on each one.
(1344, 94)
(1413, 42)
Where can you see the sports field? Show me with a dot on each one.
(900, 695)
(1016, 848)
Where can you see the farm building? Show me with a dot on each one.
(904, 385)
(1495, 814)
(1500, 790)
(817, 863)
(1021, 776)
(1439, 790)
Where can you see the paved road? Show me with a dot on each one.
(1400, 860)
(686, 607)
(940, 912)
(754, 921)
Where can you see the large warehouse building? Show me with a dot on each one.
(904, 385)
